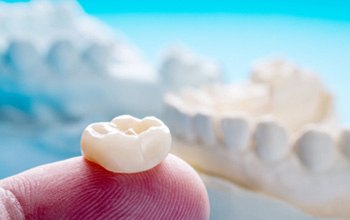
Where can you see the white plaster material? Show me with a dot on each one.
(271, 140)
(185, 126)
(204, 129)
(79, 69)
(236, 132)
(316, 149)
(281, 142)
(288, 85)
(181, 67)
(22, 56)
(277, 88)
(344, 141)
(64, 58)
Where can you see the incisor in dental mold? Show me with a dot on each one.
(185, 123)
(204, 129)
(316, 149)
(126, 144)
(271, 140)
(236, 132)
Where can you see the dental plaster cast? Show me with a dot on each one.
(50, 64)
(275, 134)
(126, 144)
(58, 74)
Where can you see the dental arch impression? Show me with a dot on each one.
(126, 144)
(276, 135)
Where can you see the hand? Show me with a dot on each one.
(78, 189)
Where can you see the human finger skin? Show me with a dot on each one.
(78, 189)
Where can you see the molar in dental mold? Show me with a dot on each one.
(273, 70)
(236, 131)
(204, 128)
(271, 140)
(290, 87)
(180, 67)
(22, 55)
(344, 141)
(97, 56)
(63, 57)
(315, 149)
(126, 144)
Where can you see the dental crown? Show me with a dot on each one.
(276, 134)
(126, 144)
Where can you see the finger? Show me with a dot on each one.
(9, 206)
(78, 189)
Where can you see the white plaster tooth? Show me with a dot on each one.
(344, 141)
(63, 57)
(315, 149)
(127, 144)
(22, 55)
(180, 67)
(271, 140)
(194, 97)
(236, 132)
(185, 127)
(204, 129)
(172, 107)
(97, 56)
(170, 114)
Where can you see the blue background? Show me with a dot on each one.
(330, 10)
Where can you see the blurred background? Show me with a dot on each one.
(56, 60)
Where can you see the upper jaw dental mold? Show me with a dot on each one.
(57, 74)
(126, 144)
(263, 140)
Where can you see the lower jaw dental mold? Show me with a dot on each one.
(126, 144)
(257, 136)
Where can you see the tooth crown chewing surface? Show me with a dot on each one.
(306, 166)
(127, 144)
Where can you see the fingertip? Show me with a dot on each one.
(78, 188)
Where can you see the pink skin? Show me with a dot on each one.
(79, 189)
